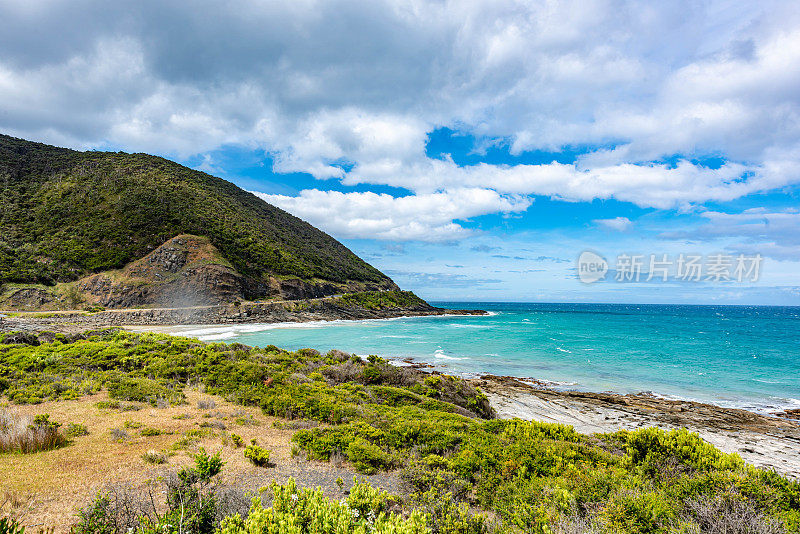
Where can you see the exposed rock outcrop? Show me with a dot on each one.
(29, 298)
(185, 271)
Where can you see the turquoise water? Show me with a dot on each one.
(737, 356)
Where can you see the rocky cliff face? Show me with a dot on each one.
(185, 271)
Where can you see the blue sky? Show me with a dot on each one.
(471, 151)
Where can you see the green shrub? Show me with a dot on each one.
(433, 381)
(446, 515)
(143, 390)
(654, 451)
(257, 456)
(75, 430)
(305, 511)
(246, 421)
(366, 457)
(97, 518)
(150, 431)
(237, 440)
(9, 525)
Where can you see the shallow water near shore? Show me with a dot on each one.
(734, 356)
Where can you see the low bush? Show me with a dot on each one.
(144, 390)
(150, 431)
(75, 430)
(153, 456)
(24, 434)
(194, 503)
(217, 425)
(366, 457)
(247, 420)
(306, 511)
(119, 435)
(257, 455)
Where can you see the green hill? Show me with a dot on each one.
(67, 214)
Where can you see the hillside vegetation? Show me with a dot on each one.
(67, 214)
(466, 471)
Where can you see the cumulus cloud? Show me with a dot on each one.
(423, 217)
(350, 90)
(619, 224)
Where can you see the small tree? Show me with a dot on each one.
(191, 504)
(74, 297)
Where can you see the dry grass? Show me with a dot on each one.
(20, 433)
(721, 516)
(52, 485)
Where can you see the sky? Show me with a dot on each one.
(472, 150)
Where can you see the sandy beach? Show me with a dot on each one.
(762, 441)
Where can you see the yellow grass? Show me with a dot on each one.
(52, 485)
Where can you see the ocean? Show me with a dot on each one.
(734, 356)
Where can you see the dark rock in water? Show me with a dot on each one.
(789, 414)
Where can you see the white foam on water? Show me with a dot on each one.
(194, 330)
(440, 355)
(217, 337)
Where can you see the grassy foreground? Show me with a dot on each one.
(466, 471)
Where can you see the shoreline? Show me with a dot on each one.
(771, 442)
(227, 332)
(274, 312)
(163, 320)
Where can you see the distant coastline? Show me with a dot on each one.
(299, 311)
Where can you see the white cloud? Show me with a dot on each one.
(619, 224)
(423, 217)
(350, 90)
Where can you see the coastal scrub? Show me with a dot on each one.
(466, 471)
